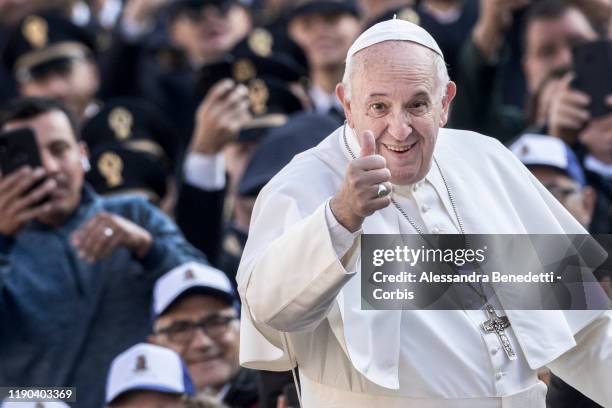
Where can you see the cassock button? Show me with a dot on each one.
(435, 230)
(499, 375)
(424, 208)
(494, 351)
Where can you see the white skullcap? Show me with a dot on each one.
(394, 30)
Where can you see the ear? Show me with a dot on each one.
(84, 156)
(346, 104)
(451, 91)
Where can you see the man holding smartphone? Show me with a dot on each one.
(76, 272)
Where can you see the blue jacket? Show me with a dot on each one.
(62, 319)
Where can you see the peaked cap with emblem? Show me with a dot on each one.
(267, 80)
(136, 125)
(117, 169)
(269, 44)
(41, 42)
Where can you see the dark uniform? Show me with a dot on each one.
(157, 70)
(200, 213)
(326, 8)
(450, 36)
(303, 131)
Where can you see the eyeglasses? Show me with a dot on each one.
(561, 193)
(183, 332)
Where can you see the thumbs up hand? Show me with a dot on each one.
(359, 195)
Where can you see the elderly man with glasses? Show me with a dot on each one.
(196, 315)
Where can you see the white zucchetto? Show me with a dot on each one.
(394, 30)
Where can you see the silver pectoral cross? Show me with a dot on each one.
(497, 324)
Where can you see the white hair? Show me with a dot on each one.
(441, 73)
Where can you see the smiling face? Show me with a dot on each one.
(212, 360)
(395, 94)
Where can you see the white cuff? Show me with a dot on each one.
(205, 171)
(342, 239)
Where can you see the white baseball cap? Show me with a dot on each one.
(187, 277)
(394, 30)
(542, 150)
(147, 367)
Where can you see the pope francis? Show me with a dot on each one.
(392, 169)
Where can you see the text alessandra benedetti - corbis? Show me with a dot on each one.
(469, 277)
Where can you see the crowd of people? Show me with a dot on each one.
(158, 122)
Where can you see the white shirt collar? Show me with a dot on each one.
(217, 396)
(323, 101)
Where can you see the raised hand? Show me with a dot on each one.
(222, 113)
(568, 111)
(359, 195)
(18, 201)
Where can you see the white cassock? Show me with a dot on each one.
(299, 285)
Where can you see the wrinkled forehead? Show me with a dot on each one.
(393, 60)
(395, 52)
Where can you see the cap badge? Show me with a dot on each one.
(110, 166)
(36, 30)
(244, 70)
(141, 363)
(409, 15)
(120, 120)
(260, 42)
(189, 275)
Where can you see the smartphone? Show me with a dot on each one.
(18, 148)
(593, 68)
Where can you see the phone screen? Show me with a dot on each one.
(18, 148)
(593, 65)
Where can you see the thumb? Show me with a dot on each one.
(368, 144)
